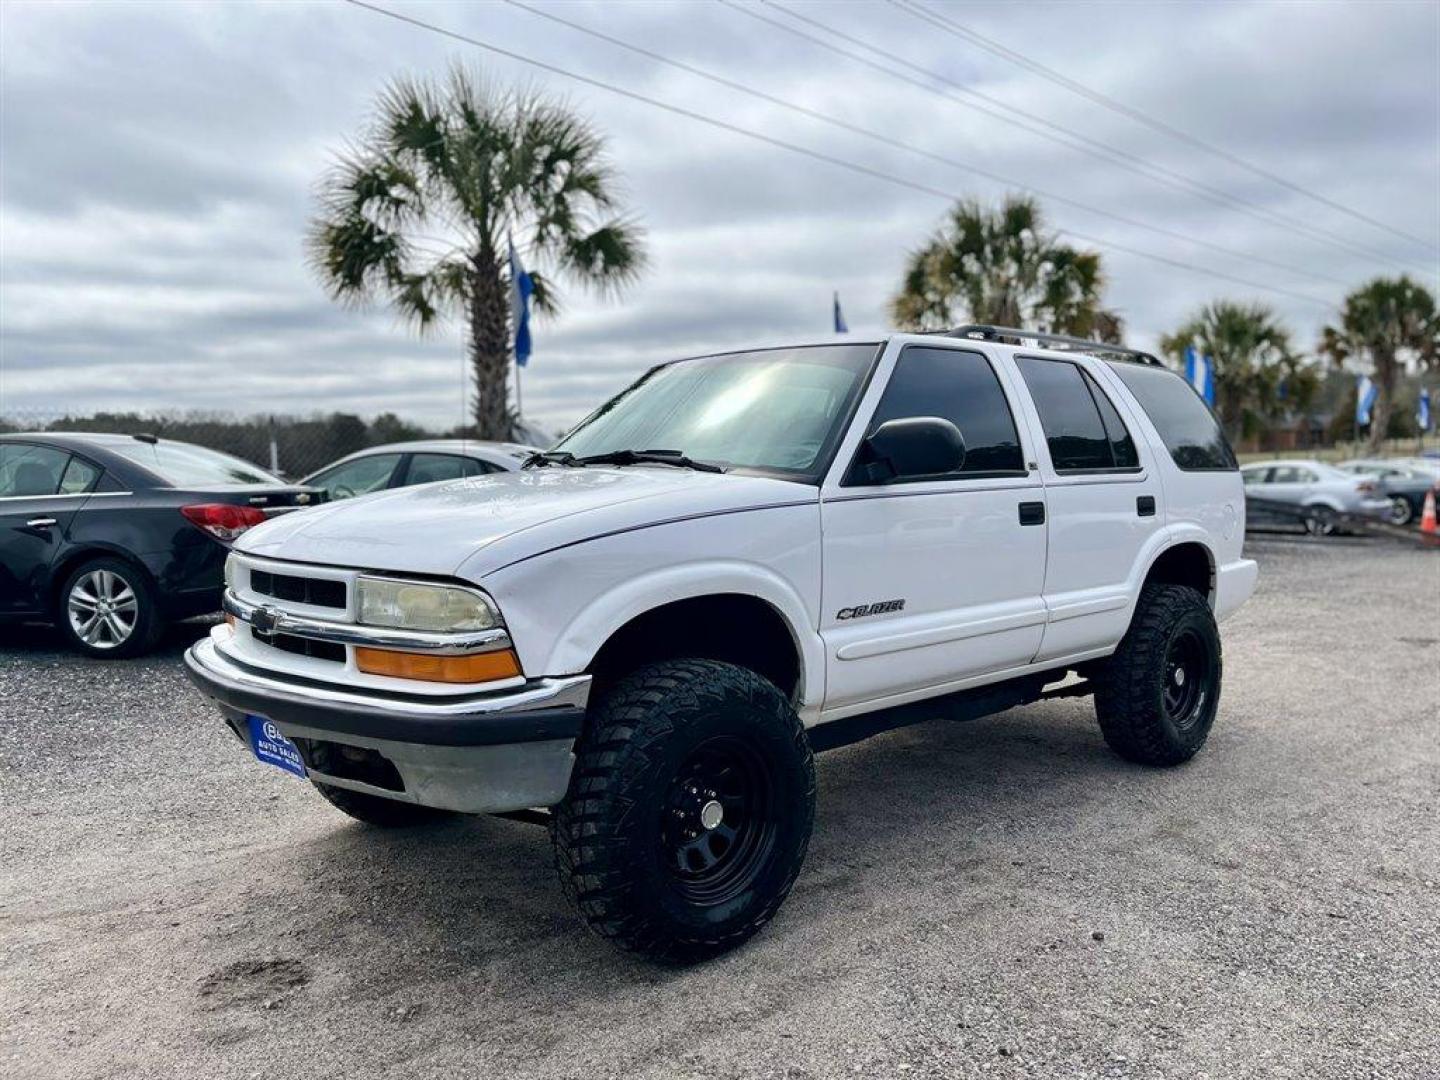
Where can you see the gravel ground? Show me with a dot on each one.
(1000, 898)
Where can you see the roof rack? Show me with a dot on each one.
(996, 333)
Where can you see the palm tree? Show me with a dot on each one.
(1001, 267)
(421, 210)
(1257, 373)
(1385, 319)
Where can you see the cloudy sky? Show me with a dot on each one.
(158, 162)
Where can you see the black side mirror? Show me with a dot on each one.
(913, 447)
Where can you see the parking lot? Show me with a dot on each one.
(1000, 898)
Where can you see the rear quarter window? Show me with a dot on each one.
(1186, 425)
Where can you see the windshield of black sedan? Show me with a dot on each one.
(775, 410)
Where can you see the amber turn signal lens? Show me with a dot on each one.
(474, 668)
(230, 620)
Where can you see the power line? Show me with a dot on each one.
(916, 9)
(887, 140)
(795, 148)
(1055, 132)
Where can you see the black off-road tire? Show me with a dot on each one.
(378, 811)
(1145, 714)
(129, 581)
(622, 835)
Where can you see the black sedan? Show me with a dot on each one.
(112, 536)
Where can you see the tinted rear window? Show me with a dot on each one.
(1184, 422)
(183, 465)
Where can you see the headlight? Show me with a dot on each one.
(229, 571)
(407, 605)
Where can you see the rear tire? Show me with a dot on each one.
(107, 609)
(378, 811)
(1320, 521)
(1156, 698)
(689, 811)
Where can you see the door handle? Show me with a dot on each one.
(1145, 505)
(39, 523)
(1032, 513)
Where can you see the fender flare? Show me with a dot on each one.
(1161, 541)
(594, 625)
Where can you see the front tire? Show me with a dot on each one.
(1156, 698)
(1401, 512)
(107, 609)
(689, 811)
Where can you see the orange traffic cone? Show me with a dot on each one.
(1427, 517)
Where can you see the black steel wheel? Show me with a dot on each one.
(689, 811)
(1157, 696)
(719, 822)
(1188, 678)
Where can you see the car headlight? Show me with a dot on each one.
(409, 605)
(230, 571)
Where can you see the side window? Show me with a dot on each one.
(476, 467)
(1186, 425)
(1252, 477)
(1286, 474)
(429, 468)
(79, 477)
(358, 477)
(30, 470)
(960, 387)
(1079, 438)
(1122, 446)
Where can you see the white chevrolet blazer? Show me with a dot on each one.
(642, 635)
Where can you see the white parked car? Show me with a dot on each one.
(739, 560)
(1312, 486)
(425, 461)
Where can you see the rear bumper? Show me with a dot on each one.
(479, 753)
(1234, 582)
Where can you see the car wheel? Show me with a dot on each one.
(107, 609)
(689, 811)
(1401, 512)
(1320, 521)
(378, 811)
(1156, 697)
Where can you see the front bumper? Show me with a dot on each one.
(475, 753)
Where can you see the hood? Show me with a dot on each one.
(504, 517)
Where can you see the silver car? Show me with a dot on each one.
(1404, 485)
(423, 462)
(1315, 486)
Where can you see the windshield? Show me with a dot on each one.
(183, 465)
(777, 410)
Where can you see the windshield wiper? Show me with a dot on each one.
(542, 458)
(649, 457)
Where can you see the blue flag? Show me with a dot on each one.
(1422, 411)
(840, 327)
(1365, 394)
(521, 288)
(1200, 373)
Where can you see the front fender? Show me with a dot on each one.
(561, 607)
(577, 646)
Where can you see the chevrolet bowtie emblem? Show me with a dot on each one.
(265, 619)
